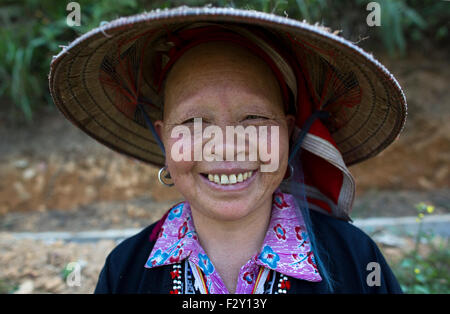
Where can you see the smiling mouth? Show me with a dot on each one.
(228, 179)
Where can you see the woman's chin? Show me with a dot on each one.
(228, 210)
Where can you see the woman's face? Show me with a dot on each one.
(224, 85)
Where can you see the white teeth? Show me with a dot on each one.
(223, 179)
(229, 179)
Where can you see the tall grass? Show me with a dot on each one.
(32, 31)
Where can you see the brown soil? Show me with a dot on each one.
(42, 264)
(420, 158)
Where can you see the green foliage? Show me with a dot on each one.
(397, 19)
(32, 31)
(425, 272)
(7, 287)
(66, 271)
(28, 37)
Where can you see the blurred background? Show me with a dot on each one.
(60, 191)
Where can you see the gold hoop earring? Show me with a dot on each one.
(291, 173)
(166, 175)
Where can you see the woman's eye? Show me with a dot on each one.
(253, 117)
(192, 120)
(188, 121)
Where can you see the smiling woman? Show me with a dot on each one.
(318, 104)
(221, 82)
(227, 81)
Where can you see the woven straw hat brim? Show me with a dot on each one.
(75, 85)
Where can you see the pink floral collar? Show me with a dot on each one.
(286, 247)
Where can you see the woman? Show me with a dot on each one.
(316, 100)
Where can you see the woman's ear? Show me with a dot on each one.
(159, 127)
(290, 119)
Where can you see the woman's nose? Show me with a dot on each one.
(232, 143)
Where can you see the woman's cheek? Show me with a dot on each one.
(284, 144)
(179, 156)
(272, 147)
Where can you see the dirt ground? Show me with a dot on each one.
(37, 267)
(53, 177)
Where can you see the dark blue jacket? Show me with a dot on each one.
(349, 249)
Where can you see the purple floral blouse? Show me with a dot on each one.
(286, 249)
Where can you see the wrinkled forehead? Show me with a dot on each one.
(220, 69)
